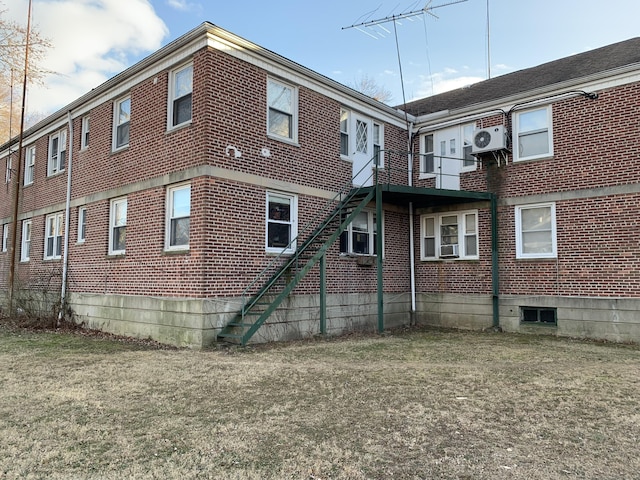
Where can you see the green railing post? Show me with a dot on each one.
(323, 295)
(494, 262)
(379, 252)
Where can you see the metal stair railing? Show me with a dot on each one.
(283, 262)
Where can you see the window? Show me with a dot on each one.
(536, 231)
(359, 238)
(121, 120)
(181, 88)
(82, 224)
(5, 236)
(378, 140)
(282, 110)
(281, 223)
(178, 217)
(449, 235)
(534, 137)
(57, 152)
(7, 172)
(29, 165)
(543, 316)
(25, 247)
(427, 164)
(344, 133)
(117, 226)
(84, 138)
(53, 237)
(468, 160)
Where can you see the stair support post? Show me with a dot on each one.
(323, 295)
(379, 256)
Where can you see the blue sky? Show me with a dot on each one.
(95, 39)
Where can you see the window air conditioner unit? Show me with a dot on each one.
(449, 251)
(489, 139)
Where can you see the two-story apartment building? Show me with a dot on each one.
(219, 190)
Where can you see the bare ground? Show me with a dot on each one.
(417, 404)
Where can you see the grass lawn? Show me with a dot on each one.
(407, 405)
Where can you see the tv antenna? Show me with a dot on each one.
(427, 9)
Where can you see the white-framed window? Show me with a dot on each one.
(5, 236)
(359, 238)
(84, 133)
(447, 151)
(427, 155)
(178, 217)
(54, 225)
(25, 245)
(121, 121)
(449, 235)
(378, 144)
(468, 160)
(7, 172)
(344, 132)
(533, 134)
(82, 224)
(117, 226)
(536, 231)
(29, 165)
(282, 222)
(180, 92)
(57, 152)
(282, 110)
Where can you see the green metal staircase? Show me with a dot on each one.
(286, 271)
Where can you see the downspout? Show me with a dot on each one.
(412, 260)
(65, 258)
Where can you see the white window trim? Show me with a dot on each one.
(5, 236)
(463, 167)
(167, 236)
(85, 132)
(294, 113)
(462, 254)
(380, 143)
(29, 165)
(112, 212)
(421, 157)
(345, 156)
(52, 169)
(58, 220)
(371, 213)
(25, 242)
(172, 97)
(7, 174)
(293, 222)
(114, 135)
(518, 223)
(516, 135)
(82, 219)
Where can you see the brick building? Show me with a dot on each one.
(219, 190)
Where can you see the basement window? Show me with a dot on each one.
(538, 315)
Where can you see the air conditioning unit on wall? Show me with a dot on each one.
(449, 251)
(489, 139)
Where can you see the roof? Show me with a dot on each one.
(565, 69)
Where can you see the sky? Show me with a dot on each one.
(93, 40)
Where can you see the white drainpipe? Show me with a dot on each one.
(411, 232)
(65, 258)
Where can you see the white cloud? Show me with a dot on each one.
(92, 40)
(182, 5)
(443, 82)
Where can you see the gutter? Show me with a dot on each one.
(412, 259)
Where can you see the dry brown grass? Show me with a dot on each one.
(410, 405)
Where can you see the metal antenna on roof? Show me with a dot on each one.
(395, 19)
(401, 16)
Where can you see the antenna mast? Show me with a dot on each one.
(393, 18)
